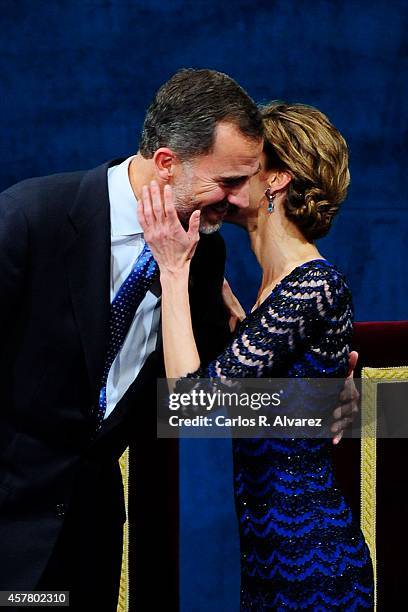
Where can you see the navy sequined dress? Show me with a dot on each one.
(301, 548)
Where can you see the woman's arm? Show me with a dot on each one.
(172, 247)
(236, 312)
(180, 350)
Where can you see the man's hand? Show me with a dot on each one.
(236, 312)
(348, 402)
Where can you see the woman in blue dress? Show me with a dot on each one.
(301, 548)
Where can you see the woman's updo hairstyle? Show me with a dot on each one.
(301, 140)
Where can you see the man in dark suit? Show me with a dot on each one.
(68, 242)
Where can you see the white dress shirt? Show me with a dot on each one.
(126, 245)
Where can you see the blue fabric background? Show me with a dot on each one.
(76, 77)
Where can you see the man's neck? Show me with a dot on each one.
(141, 172)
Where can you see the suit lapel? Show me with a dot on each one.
(88, 268)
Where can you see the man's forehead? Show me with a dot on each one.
(233, 155)
(234, 148)
(235, 161)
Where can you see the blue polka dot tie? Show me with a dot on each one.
(122, 312)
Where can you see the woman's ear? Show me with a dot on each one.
(284, 178)
(279, 180)
(164, 160)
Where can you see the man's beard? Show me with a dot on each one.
(186, 202)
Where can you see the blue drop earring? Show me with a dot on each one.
(270, 197)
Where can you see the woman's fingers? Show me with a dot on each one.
(154, 207)
(341, 424)
(193, 235)
(169, 208)
(193, 225)
(157, 205)
(147, 206)
(141, 215)
(353, 358)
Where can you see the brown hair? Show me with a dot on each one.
(301, 140)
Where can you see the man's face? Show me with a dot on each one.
(215, 182)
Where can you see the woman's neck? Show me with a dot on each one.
(279, 247)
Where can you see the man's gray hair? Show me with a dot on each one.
(187, 108)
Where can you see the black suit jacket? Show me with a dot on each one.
(54, 309)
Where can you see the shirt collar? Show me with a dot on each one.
(123, 203)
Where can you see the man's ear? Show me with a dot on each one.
(279, 180)
(164, 160)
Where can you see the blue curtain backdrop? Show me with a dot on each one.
(76, 77)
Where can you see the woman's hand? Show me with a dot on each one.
(231, 302)
(171, 245)
(348, 402)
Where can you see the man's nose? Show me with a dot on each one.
(239, 197)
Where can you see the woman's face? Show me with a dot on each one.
(257, 186)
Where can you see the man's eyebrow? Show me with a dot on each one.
(232, 177)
